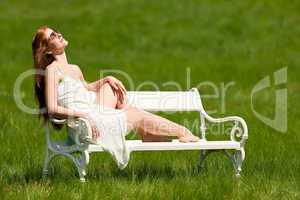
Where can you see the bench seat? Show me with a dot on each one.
(139, 145)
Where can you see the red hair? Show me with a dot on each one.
(41, 61)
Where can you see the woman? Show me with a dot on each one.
(63, 93)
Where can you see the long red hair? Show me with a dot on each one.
(41, 61)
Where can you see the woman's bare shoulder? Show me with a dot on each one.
(51, 69)
(75, 66)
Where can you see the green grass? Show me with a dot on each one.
(219, 41)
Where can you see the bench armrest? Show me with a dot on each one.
(79, 129)
(57, 121)
(239, 131)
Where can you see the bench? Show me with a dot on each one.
(78, 130)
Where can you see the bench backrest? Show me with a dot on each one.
(166, 100)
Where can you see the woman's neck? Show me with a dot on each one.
(61, 58)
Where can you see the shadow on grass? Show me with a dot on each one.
(103, 168)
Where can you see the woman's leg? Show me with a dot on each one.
(148, 125)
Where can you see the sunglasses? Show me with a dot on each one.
(54, 34)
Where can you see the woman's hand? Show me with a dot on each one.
(117, 87)
(95, 132)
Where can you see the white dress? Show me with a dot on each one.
(110, 122)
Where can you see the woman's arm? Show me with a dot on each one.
(117, 86)
(51, 84)
(94, 86)
(54, 110)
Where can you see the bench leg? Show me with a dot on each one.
(237, 159)
(202, 156)
(48, 157)
(81, 163)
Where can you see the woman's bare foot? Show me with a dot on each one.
(189, 138)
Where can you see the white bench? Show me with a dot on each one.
(152, 101)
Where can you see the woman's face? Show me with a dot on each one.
(56, 42)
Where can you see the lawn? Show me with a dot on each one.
(235, 43)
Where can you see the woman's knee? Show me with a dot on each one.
(107, 87)
(106, 96)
